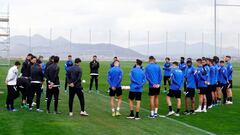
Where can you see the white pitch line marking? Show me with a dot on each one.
(162, 116)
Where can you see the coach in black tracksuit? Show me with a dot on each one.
(94, 66)
(26, 66)
(50, 61)
(74, 76)
(25, 78)
(52, 75)
(37, 77)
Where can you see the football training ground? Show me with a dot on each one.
(218, 120)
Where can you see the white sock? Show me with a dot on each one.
(205, 107)
(156, 110)
(200, 107)
(113, 110)
(152, 112)
(118, 108)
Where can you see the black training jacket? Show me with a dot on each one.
(36, 73)
(74, 75)
(26, 68)
(94, 66)
(52, 73)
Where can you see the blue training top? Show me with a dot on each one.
(213, 78)
(202, 77)
(167, 69)
(68, 64)
(182, 66)
(177, 78)
(138, 79)
(229, 70)
(114, 77)
(223, 78)
(191, 77)
(153, 74)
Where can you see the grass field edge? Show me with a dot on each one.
(162, 116)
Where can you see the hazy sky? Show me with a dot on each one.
(139, 16)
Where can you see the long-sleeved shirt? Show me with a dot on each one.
(182, 66)
(229, 70)
(114, 78)
(138, 79)
(213, 78)
(52, 74)
(12, 76)
(74, 75)
(177, 78)
(191, 77)
(94, 66)
(153, 74)
(207, 69)
(216, 72)
(37, 75)
(223, 78)
(43, 66)
(26, 68)
(68, 64)
(47, 65)
(167, 69)
(202, 77)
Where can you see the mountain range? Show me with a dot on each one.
(39, 45)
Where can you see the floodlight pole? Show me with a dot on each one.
(166, 44)
(110, 37)
(50, 37)
(221, 50)
(129, 39)
(202, 43)
(70, 39)
(185, 43)
(30, 40)
(90, 36)
(148, 42)
(238, 44)
(215, 27)
(215, 19)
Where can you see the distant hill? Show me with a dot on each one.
(20, 46)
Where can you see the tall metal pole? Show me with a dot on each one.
(110, 37)
(215, 27)
(30, 40)
(215, 19)
(202, 44)
(70, 43)
(50, 37)
(148, 42)
(90, 36)
(185, 43)
(129, 39)
(221, 51)
(166, 44)
(238, 44)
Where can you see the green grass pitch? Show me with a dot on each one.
(219, 120)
